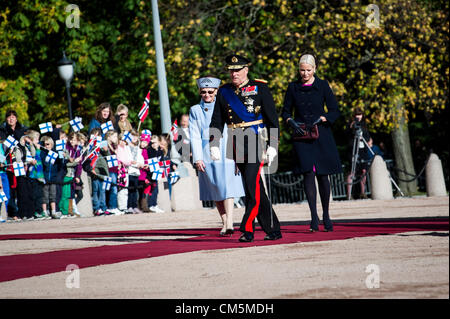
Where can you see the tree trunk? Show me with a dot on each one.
(402, 152)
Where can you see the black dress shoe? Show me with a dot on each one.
(273, 236)
(246, 238)
(328, 229)
(313, 230)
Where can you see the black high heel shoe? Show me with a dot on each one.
(229, 231)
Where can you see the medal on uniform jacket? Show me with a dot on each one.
(249, 90)
(249, 104)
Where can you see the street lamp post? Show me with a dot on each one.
(166, 122)
(65, 70)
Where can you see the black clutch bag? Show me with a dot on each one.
(311, 133)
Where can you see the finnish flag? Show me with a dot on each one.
(46, 127)
(60, 145)
(19, 169)
(106, 185)
(107, 127)
(10, 142)
(127, 137)
(51, 157)
(112, 161)
(174, 177)
(3, 197)
(76, 124)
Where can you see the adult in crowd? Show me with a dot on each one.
(103, 115)
(317, 156)
(182, 144)
(218, 180)
(12, 127)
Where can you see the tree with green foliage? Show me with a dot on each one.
(390, 60)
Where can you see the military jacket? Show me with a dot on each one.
(257, 103)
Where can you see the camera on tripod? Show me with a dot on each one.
(357, 124)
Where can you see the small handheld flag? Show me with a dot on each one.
(60, 145)
(127, 137)
(174, 131)
(76, 124)
(165, 166)
(112, 161)
(106, 185)
(51, 157)
(10, 142)
(174, 177)
(46, 127)
(157, 174)
(153, 164)
(19, 169)
(3, 197)
(144, 109)
(107, 126)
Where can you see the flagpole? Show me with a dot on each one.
(164, 106)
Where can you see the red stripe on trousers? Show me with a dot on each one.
(254, 212)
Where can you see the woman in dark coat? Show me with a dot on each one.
(306, 99)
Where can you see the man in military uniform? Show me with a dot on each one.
(248, 109)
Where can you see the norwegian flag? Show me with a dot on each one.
(165, 166)
(93, 157)
(92, 143)
(174, 130)
(144, 109)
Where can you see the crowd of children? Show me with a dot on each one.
(41, 170)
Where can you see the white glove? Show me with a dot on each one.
(215, 153)
(271, 153)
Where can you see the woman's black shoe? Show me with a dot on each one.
(246, 238)
(313, 230)
(229, 232)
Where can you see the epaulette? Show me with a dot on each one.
(261, 80)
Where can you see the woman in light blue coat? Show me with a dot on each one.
(219, 181)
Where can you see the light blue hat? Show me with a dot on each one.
(208, 82)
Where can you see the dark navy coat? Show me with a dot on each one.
(306, 104)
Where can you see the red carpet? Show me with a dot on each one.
(28, 265)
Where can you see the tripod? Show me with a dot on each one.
(358, 138)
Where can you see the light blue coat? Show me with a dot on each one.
(220, 181)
